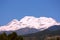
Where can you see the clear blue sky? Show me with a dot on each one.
(16, 9)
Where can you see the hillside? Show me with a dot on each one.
(44, 35)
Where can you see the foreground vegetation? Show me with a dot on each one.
(44, 35)
(12, 36)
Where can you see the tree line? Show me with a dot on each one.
(12, 36)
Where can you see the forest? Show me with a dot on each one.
(12, 36)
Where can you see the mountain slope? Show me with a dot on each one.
(31, 22)
(35, 32)
(46, 32)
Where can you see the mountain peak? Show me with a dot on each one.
(31, 22)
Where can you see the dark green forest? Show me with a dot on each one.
(12, 36)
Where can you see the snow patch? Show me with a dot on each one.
(31, 22)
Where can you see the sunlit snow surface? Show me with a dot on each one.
(31, 22)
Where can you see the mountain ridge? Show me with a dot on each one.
(31, 22)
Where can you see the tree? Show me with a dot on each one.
(12, 36)
(20, 37)
(3, 36)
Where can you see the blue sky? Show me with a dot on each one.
(16, 9)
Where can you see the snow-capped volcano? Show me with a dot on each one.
(31, 22)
